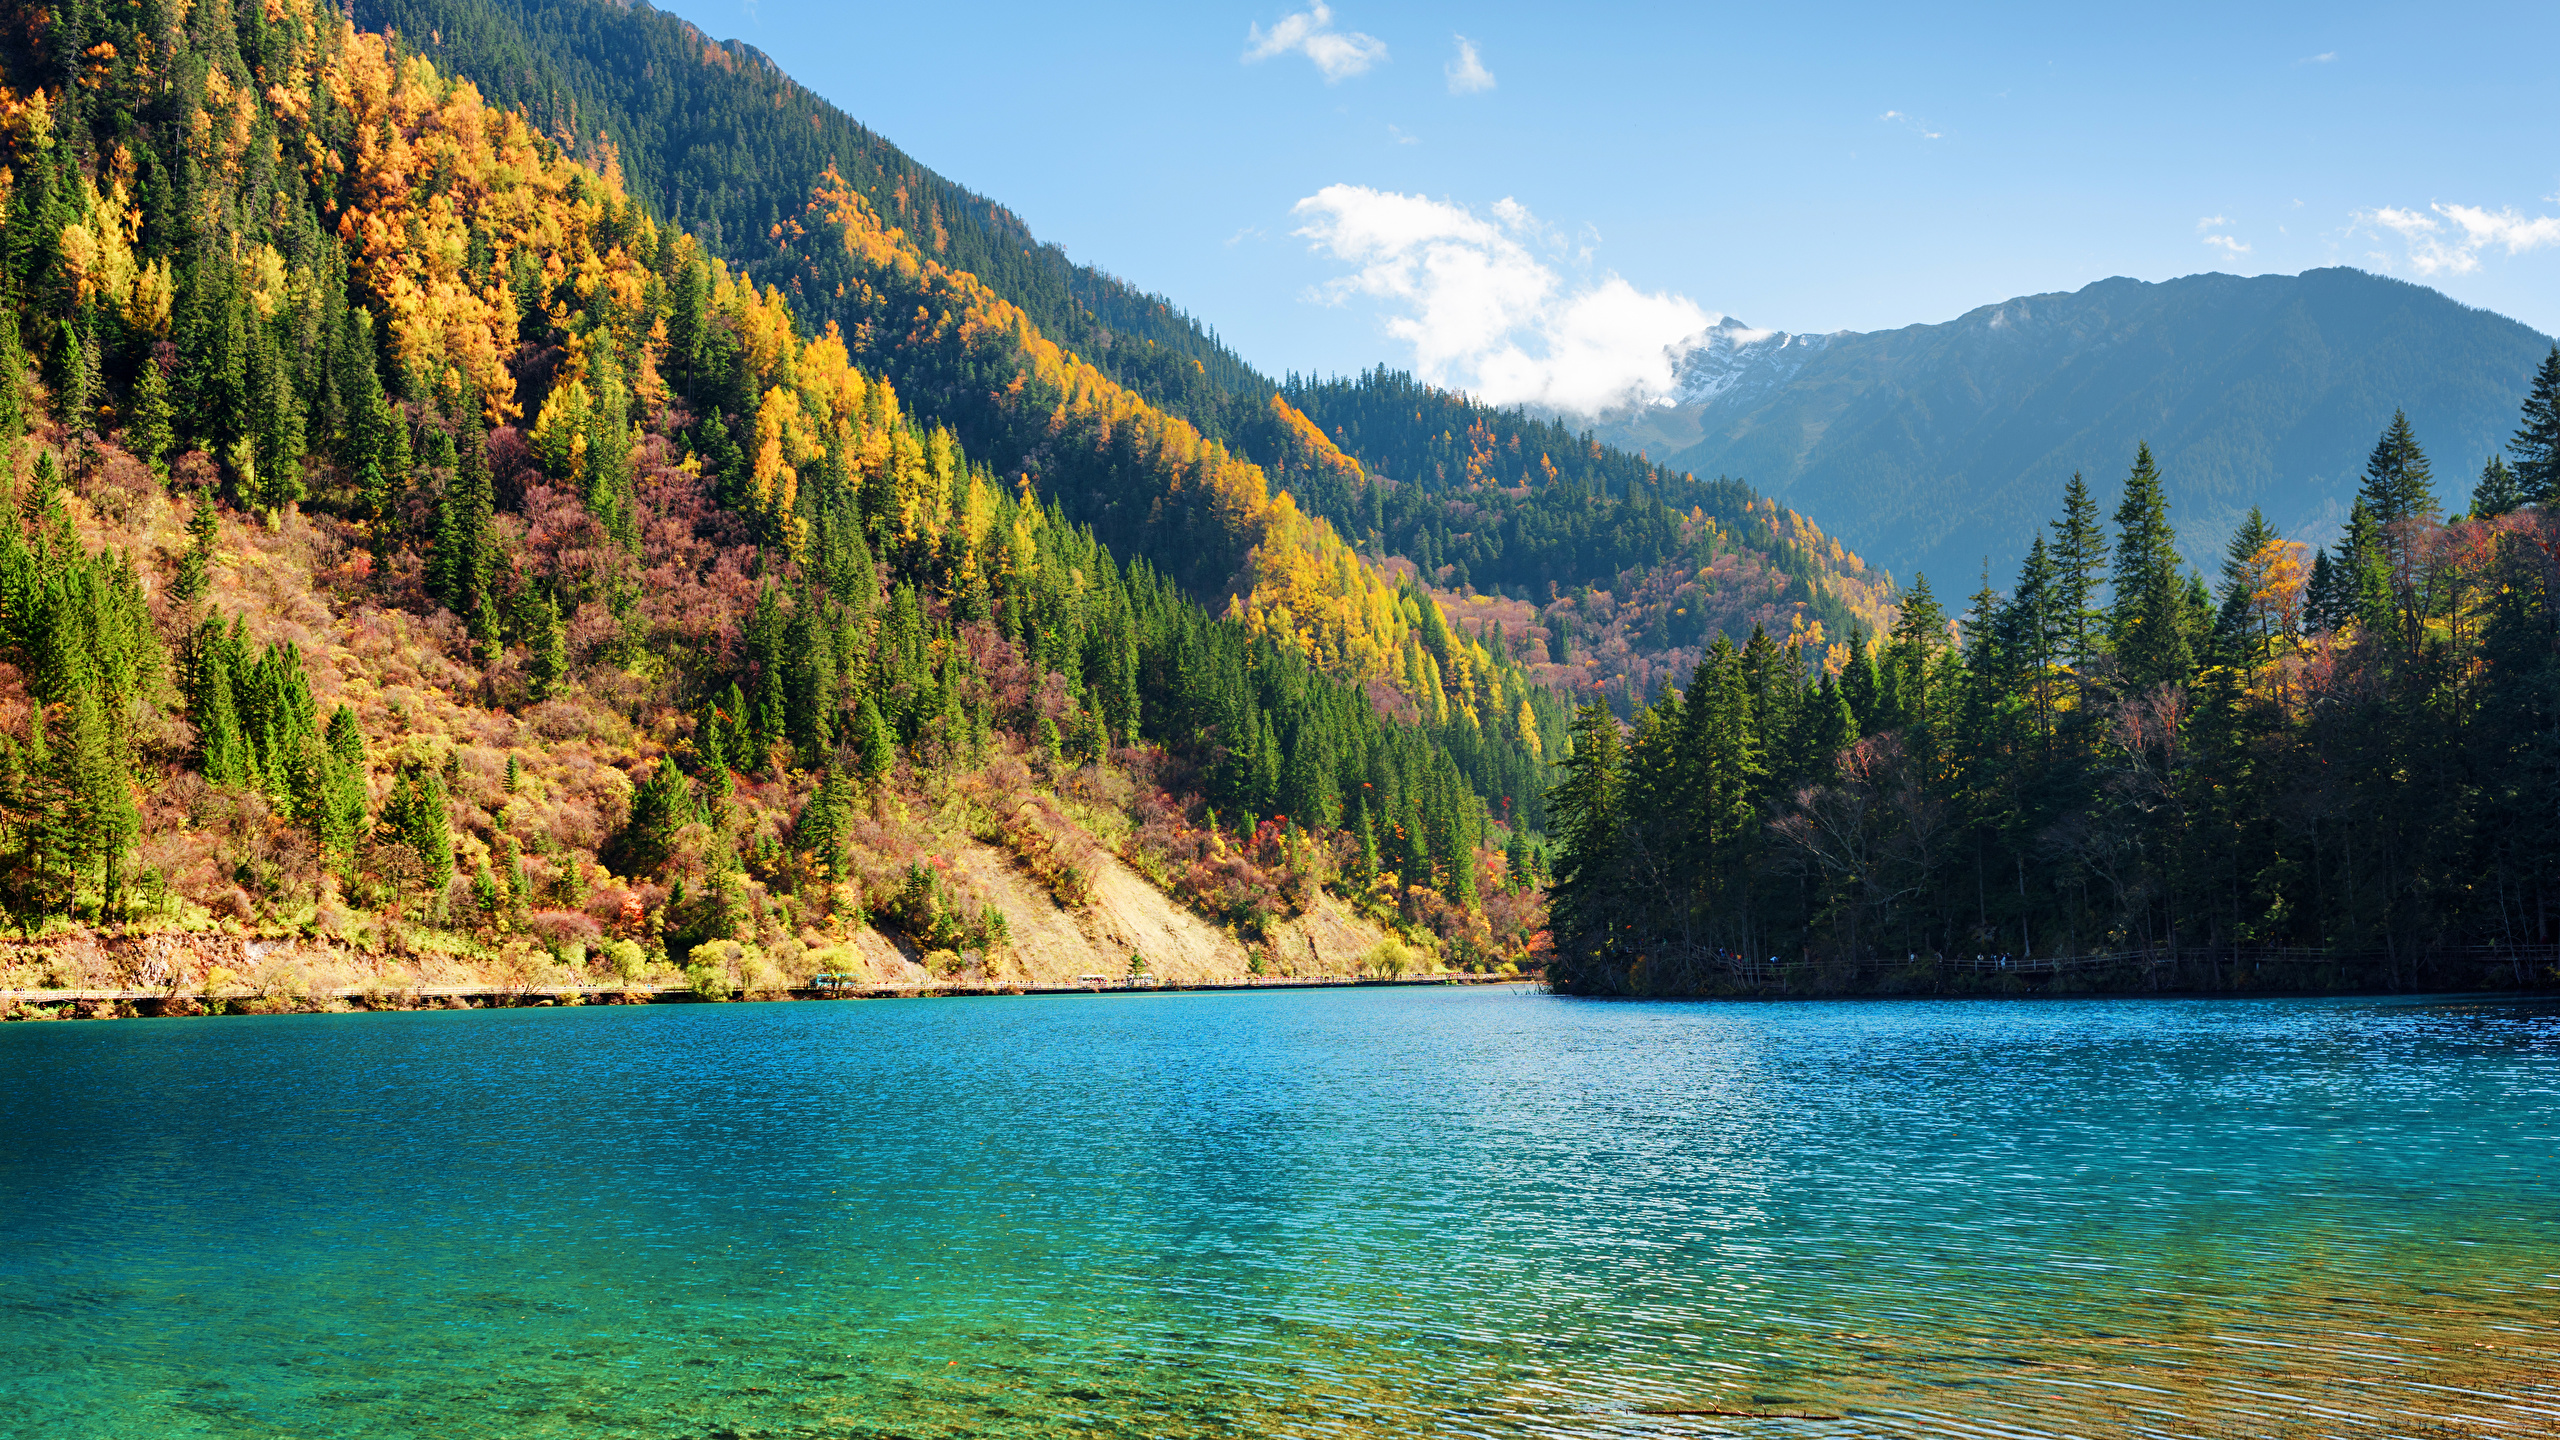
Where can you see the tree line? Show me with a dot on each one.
(2349, 752)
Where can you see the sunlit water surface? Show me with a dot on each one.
(1401, 1212)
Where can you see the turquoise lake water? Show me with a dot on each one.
(1383, 1212)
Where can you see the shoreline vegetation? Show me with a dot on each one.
(180, 1002)
(2246, 973)
(2337, 764)
(270, 978)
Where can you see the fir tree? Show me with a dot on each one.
(661, 805)
(2324, 608)
(1863, 689)
(550, 660)
(414, 815)
(2147, 628)
(341, 820)
(2498, 492)
(74, 380)
(41, 486)
(38, 875)
(2079, 563)
(153, 432)
(2397, 480)
(99, 809)
(1585, 807)
(276, 427)
(204, 530)
(2537, 442)
(13, 364)
(2365, 587)
(1919, 634)
(825, 823)
(457, 570)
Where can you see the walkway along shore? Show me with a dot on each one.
(124, 1004)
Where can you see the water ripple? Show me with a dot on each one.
(1370, 1214)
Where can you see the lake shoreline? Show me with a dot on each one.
(34, 1005)
(2150, 974)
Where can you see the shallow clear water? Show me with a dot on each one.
(1396, 1212)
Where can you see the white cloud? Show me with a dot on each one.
(2323, 58)
(1919, 127)
(1485, 314)
(2231, 243)
(2449, 240)
(1466, 72)
(1401, 138)
(1337, 53)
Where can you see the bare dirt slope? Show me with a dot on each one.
(1129, 917)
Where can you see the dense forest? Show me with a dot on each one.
(713, 136)
(411, 536)
(2348, 754)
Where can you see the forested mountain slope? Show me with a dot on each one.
(714, 138)
(370, 576)
(713, 135)
(1943, 440)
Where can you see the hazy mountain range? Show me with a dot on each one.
(1932, 447)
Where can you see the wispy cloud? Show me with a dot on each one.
(1339, 54)
(2226, 241)
(1918, 127)
(2449, 239)
(1401, 137)
(2323, 58)
(1483, 312)
(1466, 72)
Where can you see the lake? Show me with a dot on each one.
(1381, 1212)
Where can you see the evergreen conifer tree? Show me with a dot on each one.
(153, 432)
(1863, 689)
(414, 814)
(550, 660)
(457, 570)
(2323, 608)
(1830, 727)
(2147, 628)
(2365, 587)
(661, 805)
(2498, 492)
(41, 485)
(13, 364)
(878, 748)
(1919, 634)
(195, 568)
(825, 823)
(74, 380)
(276, 426)
(1585, 807)
(2537, 442)
(341, 820)
(2079, 563)
(2397, 481)
(97, 785)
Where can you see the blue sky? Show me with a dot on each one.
(1326, 186)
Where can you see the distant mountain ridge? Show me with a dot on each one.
(714, 134)
(1936, 446)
